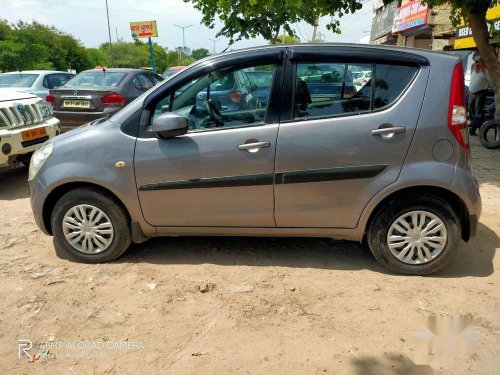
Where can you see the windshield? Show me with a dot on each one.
(97, 78)
(17, 80)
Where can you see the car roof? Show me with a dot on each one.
(249, 51)
(180, 67)
(37, 72)
(120, 70)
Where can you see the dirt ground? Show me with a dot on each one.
(242, 305)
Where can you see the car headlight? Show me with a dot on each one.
(38, 159)
(45, 109)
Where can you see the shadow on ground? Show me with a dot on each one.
(14, 183)
(472, 259)
(389, 364)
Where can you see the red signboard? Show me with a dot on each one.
(410, 15)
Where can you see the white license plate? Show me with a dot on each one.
(76, 104)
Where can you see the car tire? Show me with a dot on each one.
(399, 214)
(111, 229)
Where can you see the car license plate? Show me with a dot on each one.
(31, 134)
(76, 104)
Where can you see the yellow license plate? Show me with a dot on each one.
(31, 134)
(76, 104)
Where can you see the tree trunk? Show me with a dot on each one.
(481, 36)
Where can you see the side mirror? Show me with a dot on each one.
(169, 125)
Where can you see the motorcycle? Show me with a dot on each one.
(489, 132)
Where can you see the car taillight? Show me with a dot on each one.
(113, 100)
(235, 96)
(51, 100)
(457, 112)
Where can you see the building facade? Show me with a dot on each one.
(413, 24)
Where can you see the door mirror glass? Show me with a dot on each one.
(169, 125)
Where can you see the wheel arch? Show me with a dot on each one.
(59, 191)
(455, 202)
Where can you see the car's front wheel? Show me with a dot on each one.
(89, 226)
(415, 235)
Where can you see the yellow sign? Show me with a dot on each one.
(463, 34)
(144, 29)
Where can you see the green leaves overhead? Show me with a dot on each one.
(245, 19)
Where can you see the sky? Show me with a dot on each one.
(86, 20)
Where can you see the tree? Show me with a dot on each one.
(473, 12)
(245, 19)
(199, 53)
(287, 39)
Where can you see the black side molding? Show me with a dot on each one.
(328, 174)
(201, 183)
(292, 177)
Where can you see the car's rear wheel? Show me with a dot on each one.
(90, 226)
(415, 235)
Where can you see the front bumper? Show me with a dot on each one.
(12, 144)
(38, 195)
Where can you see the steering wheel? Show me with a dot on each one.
(214, 113)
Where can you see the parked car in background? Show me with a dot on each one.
(169, 72)
(262, 81)
(362, 78)
(381, 164)
(37, 82)
(321, 81)
(229, 93)
(26, 122)
(97, 93)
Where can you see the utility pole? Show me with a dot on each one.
(183, 35)
(215, 41)
(109, 33)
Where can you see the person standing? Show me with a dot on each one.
(478, 89)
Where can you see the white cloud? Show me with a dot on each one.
(86, 20)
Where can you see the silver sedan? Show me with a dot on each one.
(37, 82)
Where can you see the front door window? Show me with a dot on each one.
(220, 99)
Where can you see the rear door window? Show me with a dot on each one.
(336, 89)
(330, 89)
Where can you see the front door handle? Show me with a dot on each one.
(254, 146)
(389, 131)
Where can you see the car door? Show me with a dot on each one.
(218, 174)
(339, 144)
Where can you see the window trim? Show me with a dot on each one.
(292, 76)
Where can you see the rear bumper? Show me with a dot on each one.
(70, 120)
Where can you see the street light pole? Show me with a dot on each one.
(183, 36)
(109, 33)
(215, 41)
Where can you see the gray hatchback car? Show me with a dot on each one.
(388, 161)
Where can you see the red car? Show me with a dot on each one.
(169, 72)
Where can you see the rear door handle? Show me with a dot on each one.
(253, 147)
(389, 131)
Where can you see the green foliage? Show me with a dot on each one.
(25, 46)
(199, 53)
(244, 19)
(287, 39)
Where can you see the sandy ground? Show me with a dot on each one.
(241, 305)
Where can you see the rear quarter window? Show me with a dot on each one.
(390, 82)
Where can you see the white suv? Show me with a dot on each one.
(26, 121)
